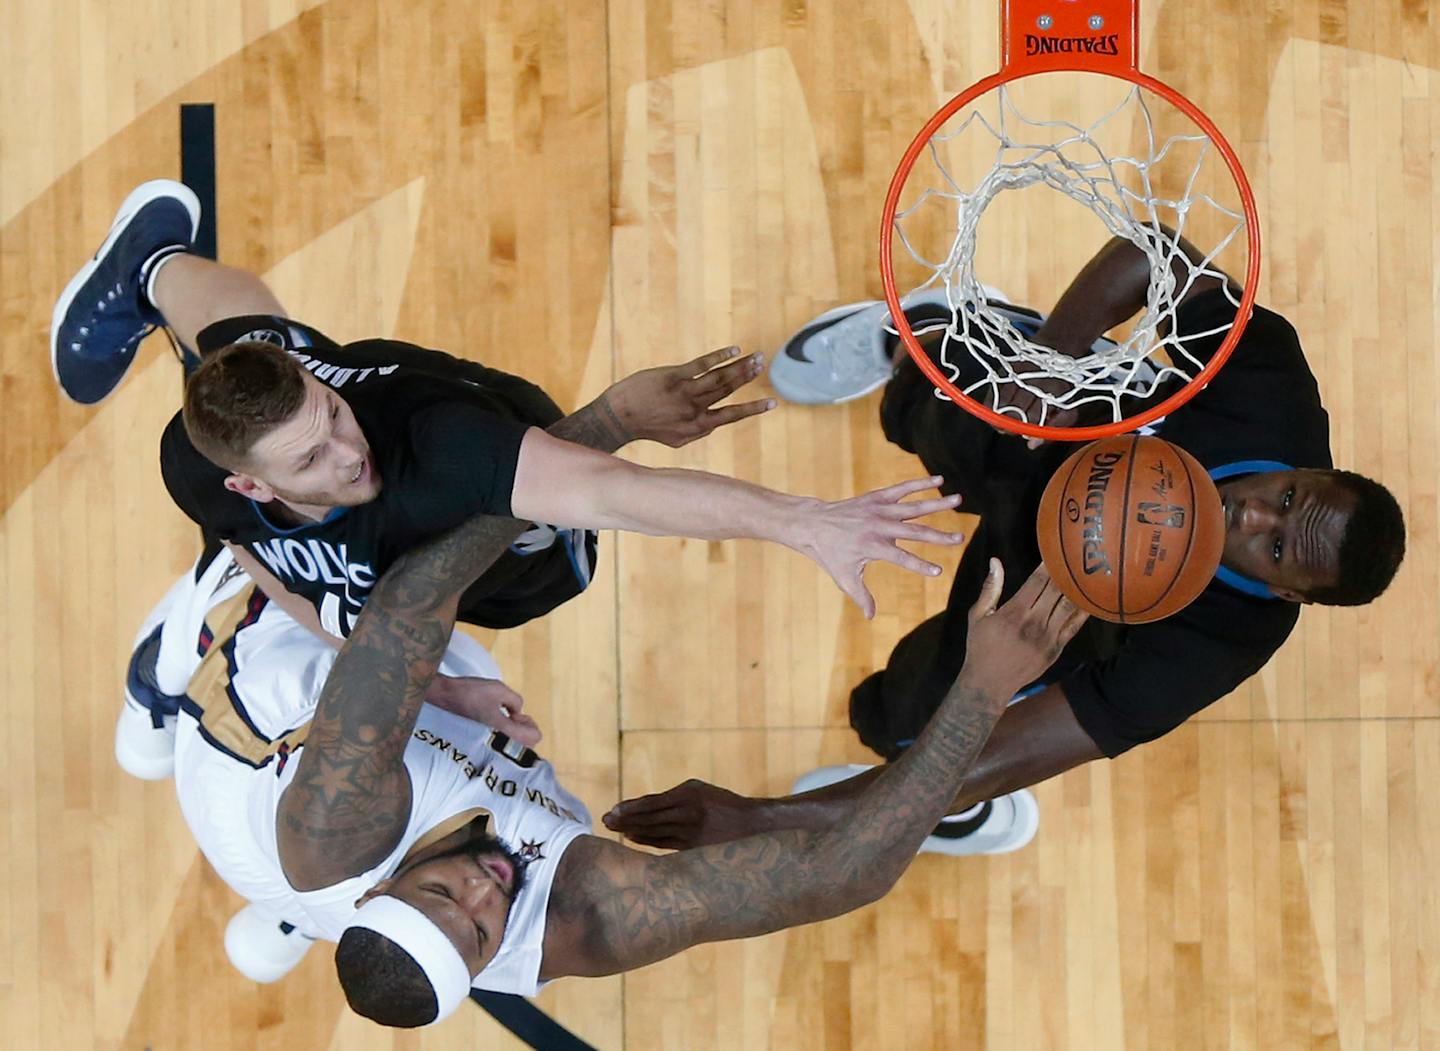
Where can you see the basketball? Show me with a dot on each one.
(1131, 528)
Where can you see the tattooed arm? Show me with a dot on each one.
(614, 909)
(350, 799)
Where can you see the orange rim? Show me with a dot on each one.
(1121, 65)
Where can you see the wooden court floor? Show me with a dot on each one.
(574, 191)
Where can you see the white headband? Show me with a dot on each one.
(426, 943)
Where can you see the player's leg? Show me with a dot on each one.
(113, 301)
(161, 663)
(192, 293)
(262, 945)
(145, 730)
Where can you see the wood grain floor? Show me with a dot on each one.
(576, 190)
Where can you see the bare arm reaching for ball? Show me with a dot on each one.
(614, 909)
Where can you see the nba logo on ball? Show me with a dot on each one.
(1131, 528)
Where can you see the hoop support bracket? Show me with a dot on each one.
(1042, 36)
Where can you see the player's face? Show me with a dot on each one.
(318, 458)
(467, 892)
(1283, 528)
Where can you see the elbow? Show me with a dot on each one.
(868, 879)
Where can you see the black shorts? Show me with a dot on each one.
(521, 587)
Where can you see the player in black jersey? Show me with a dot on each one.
(327, 463)
(1297, 531)
(321, 464)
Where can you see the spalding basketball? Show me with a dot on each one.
(1131, 528)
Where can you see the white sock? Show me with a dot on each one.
(152, 266)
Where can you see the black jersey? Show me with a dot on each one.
(1263, 407)
(445, 438)
(1125, 683)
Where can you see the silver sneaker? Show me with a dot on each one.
(998, 826)
(842, 354)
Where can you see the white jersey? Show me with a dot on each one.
(250, 677)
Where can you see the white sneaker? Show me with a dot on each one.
(142, 749)
(841, 355)
(263, 948)
(826, 775)
(998, 826)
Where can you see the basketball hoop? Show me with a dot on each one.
(1159, 179)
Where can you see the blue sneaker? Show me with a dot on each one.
(102, 315)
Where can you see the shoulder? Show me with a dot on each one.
(1267, 336)
(595, 877)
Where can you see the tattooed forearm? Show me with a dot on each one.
(596, 426)
(624, 909)
(350, 799)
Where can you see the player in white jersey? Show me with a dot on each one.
(249, 677)
(327, 792)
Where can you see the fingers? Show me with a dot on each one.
(1062, 418)
(716, 418)
(705, 362)
(989, 591)
(628, 808)
(1074, 621)
(521, 728)
(905, 560)
(624, 818)
(893, 494)
(923, 534)
(509, 698)
(921, 508)
(860, 594)
(721, 381)
(1033, 589)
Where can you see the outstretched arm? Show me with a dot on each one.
(1110, 289)
(564, 485)
(1033, 741)
(614, 909)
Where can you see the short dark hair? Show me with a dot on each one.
(237, 395)
(382, 981)
(1371, 547)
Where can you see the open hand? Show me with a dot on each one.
(674, 404)
(487, 701)
(845, 536)
(692, 814)
(1030, 406)
(1010, 647)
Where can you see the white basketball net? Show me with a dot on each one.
(1121, 191)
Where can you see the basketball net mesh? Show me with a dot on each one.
(1122, 192)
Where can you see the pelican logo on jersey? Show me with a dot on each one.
(1070, 45)
(1102, 466)
(530, 851)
